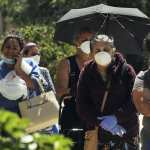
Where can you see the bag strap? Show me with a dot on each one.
(39, 81)
(105, 96)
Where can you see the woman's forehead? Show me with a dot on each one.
(12, 42)
(102, 44)
(85, 36)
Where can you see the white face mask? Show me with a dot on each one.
(8, 60)
(25, 66)
(36, 58)
(13, 87)
(103, 58)
(85, 47)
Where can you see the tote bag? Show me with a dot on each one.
(42, 110)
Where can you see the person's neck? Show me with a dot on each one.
(102, 70)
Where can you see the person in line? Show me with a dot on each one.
(18, 78)
(67, 74)
(115, 116)
(141, 98)
(31, 50)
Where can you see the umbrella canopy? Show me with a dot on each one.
(128, 26)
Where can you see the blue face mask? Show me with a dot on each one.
(8, 60)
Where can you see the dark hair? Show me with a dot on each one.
(13, 36)
(28, 47)
(146, 43)
(80, 31)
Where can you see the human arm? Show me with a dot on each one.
(85, 105)
(141, 96)
(21, 73)
(62, 78)
(127, 107)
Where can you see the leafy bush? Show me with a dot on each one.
(14, 137)
(51, 52)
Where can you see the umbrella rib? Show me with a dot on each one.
(102, 25)
(123, 27)
(132, 20)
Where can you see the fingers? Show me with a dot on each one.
(103, 117)
(100, 118)
(118, 130)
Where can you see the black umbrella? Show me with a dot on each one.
(128, 26)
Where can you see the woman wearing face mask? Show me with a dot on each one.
(67, 75)
(116, 117)
(17, 78)
(31, 50)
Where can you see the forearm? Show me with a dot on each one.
(143, 107)
(26, 78)
(86, 108)
(87, 114)
(61, 91)
(141, 102)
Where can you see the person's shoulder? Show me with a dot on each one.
(88, 66)
(129, 69)
(89, 63)
(63, 64)
(141, 74)
(139, 80)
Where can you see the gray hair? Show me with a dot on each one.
(102, 38)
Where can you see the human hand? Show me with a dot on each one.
(108, 122)
(54, 129)
(118, 130)
(18, 63)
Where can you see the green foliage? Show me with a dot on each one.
(50, 51)
(10, 124)
(49, 11)
(14, 137)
